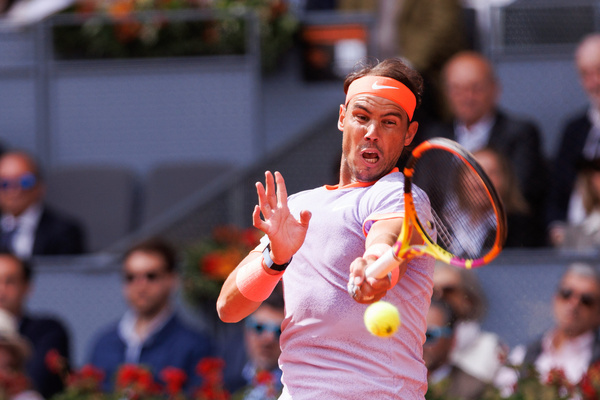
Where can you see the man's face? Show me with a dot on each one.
(19, 188)
(447, 286)
(148, 284)
(375, 131)
(438, 345)
(263, 328)
(470, 89)
(13, 287)
(587, 59)
(577, 305)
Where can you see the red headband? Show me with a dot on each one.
(387, 88)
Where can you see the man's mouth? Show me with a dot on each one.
(370, 156)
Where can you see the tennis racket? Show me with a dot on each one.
(464, 226)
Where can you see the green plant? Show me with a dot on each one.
(146, 28)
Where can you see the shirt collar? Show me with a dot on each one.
(594, 116)
(28, 218)
(576, 344)
(357, 184)
(127, 326)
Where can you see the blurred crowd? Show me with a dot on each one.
(550, 202)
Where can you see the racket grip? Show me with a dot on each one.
(383, 265)
(378, 269)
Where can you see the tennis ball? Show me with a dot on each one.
(382, 319)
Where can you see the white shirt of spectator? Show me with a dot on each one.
(477, 137)
(26, 224)
(573, 358)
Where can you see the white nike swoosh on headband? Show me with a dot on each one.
(375, 86)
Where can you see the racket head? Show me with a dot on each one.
(466, 226)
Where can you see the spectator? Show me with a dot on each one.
(443, 377)
(582, 229)
(28, 227)
(261, 373)
(581, 134)
(425, 34)
(44, 333)
(150, 332)
(14, 351)
(522, 230)
(573, 344)
(473, 91)
(476, 352)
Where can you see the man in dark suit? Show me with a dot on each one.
(28, 227)
(472, 91)
(581, 135)
(43, 333)
(150, 333)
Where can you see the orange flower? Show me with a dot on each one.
(121, 9)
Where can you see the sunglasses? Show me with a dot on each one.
(435, 333)
(148, 276)
(586, 299)
(24, 182)
(261, 327)
(445, 291)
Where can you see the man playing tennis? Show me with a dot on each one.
(315, 237)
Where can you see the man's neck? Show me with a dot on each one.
(562, 337)
(145, 324)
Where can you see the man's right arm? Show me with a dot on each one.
(232, 305)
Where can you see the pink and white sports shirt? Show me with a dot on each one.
(327, 353)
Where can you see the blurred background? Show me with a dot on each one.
(157, 121)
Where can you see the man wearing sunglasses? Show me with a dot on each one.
(27, 226)
(444, 377)
(261, 375)
(150, 333)
(573, 344)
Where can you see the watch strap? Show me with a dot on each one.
(269, 262)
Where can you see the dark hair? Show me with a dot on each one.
(25, 266)
(449, 316)
(158, 246)
(391, 68)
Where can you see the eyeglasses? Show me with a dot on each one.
(445, 291)
(261, 327)
(435, 333)
(585, 299)
(24, 182)
(148, 276)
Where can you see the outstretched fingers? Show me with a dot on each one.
(281, 190)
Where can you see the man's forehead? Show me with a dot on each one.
(375, 103)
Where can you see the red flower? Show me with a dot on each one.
(263, 377)
(209, 365)
(55, 362)
(127, 375)
(174, 379)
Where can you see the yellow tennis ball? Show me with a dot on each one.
(382, 319)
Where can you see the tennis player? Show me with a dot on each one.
(319, 240)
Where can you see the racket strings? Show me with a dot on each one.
(462, 211)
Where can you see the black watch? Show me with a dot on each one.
(269, 262)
